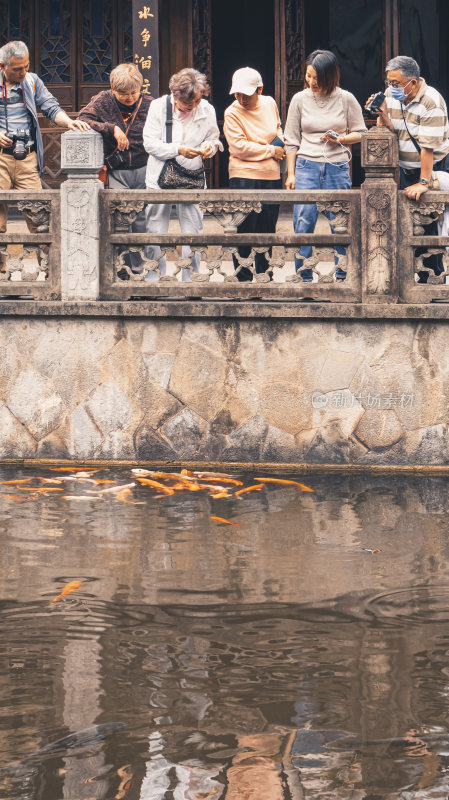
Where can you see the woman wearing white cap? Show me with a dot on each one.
(253, 131)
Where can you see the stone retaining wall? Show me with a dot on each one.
(297, 391)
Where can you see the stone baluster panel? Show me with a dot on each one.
(379, 217)
(82, 158)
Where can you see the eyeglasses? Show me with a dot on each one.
(396, 84)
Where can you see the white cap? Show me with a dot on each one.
(245, 81)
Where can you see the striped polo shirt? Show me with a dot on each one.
(426, 118)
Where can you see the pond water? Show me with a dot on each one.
(301, 652)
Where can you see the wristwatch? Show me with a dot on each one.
(424, 181)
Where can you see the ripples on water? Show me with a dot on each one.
(281, 659)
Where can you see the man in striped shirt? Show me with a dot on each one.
(417, 113)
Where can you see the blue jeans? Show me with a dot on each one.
(317, 175)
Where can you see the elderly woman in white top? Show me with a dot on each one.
(195, 136)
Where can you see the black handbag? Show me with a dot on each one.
(174, 175)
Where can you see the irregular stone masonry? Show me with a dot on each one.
(298, 391)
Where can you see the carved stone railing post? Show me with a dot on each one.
(81, 158)
(379, 216)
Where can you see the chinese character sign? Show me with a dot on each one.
(146, 44)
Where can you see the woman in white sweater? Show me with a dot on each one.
(315, 159)
(194, 136)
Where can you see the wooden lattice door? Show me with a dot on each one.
(73, 44)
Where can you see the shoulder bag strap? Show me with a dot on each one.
(134, 115)
(129, 124)
(169, 121)
(417, 147)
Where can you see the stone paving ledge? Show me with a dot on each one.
(234, 466)
(214, 309)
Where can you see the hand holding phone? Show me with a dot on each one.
(330, 134)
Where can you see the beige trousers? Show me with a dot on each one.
(17, 175)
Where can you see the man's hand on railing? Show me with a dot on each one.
(78, 125)
(415, 191)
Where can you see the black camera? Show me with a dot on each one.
(19, 139)
(115, 160)
(376, 103)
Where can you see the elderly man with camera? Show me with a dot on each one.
(417, 113)
(21, 148)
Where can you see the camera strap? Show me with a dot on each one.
(417, 147)
(5, 100)
(5, 106)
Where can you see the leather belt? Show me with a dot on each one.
(9, 151)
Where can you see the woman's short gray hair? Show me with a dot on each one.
(13, 50)
(125, 78)
(185, 84)
(408, 66)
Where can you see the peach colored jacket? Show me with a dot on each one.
(249, 133)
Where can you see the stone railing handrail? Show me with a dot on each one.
(82, 231)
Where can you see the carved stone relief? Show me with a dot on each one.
(38, 212)
(230, 215)
(378, 256)
(125, 213)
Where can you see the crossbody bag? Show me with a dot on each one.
(174, 175)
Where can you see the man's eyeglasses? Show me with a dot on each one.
(396, 84)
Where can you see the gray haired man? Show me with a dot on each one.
(417, 113)
(21, 93)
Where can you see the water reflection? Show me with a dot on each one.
(302, 654)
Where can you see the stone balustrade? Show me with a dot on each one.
(84, 248)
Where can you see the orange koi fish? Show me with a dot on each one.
(68, 589)
(225, 521)
(98, 480)
(11, 497)
(14, 483)
(286, 483)
(156, 485)
(256, 488)
(78, 469)
(220, 495)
